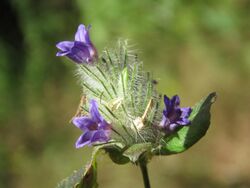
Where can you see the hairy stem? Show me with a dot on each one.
(144, 171)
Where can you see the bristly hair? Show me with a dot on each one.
(125, 93)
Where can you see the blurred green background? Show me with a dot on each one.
(192, 48)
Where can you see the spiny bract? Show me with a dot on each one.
(125, 94)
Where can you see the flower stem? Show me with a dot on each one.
(144, 171)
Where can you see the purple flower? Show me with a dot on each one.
(81, 50)
(95, 128)
(173, 115)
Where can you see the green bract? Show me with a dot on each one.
(125, 94)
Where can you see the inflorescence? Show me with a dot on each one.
(124, 105)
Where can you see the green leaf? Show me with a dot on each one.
(83, 178)
(71, 180)
(89, 178)
(189, 135)
(136, 151)
(116, 154)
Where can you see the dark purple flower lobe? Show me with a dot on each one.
(174, 116)
(81, 50)
(95, 128)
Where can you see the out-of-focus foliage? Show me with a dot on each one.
(192, 47)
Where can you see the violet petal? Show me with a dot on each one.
(94, 111)
(82, 122)
(84, 139)
(82, 34)
(65, 45)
